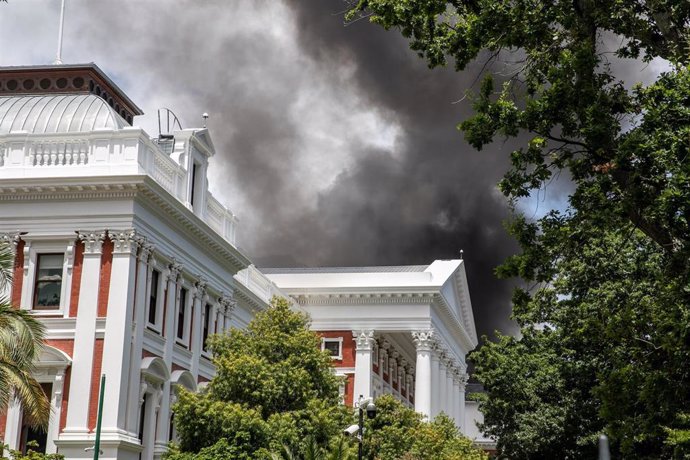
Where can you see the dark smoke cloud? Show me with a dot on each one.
(335, 145)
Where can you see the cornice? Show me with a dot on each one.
(193, 224)
(123, 187)
(349, 298)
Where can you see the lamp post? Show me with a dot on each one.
(370, 408)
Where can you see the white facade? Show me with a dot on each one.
(411, 328)
(131, 263)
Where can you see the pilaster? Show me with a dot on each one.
(77, 425)
(364, 342)
(137, 338)
(200, 298)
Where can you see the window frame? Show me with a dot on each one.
(36, 281)
(339, 341)
(160, 296)
(206, 327)
(32, 249)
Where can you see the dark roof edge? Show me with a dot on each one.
(86, 66)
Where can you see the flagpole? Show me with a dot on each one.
(58, 57)
(97, 445)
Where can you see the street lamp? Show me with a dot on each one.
(363, 405)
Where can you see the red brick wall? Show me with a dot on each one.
(95, 382)
(177, 367)
(76, 278)
(17, 277)
(65, 400)
(348, 347)
(66, 345)
(349, 389)
(104, 282)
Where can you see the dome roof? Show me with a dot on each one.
(57, 113)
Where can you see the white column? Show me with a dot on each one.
(393, 369)
(450, 391)
(56, 411)
(197, 329)
(462, 384)
(150, 418)
(364, 341)
(435, 373)
(422, 398)
(13, 424)
(228, 302)
(383, 363)
(172, 301)
(457, 400)
(442, 386)
(118, 330)
(141, 298)
(85, 336)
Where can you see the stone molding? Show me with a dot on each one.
(364, 340)
(424, 340)
(93, 240)
(124, 241)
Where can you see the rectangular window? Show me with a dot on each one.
(48, 281)
(153, 299)
(193, 190)
(207, 319)
(181, 310)
(334, 346)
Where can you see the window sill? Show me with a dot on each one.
(153, 328)
(41, 312)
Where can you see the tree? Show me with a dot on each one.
(604, 321)
(273, 387)
(21, 341)
(399, 432)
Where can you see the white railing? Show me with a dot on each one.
(259, 284)
(127, 151)
(220, 218)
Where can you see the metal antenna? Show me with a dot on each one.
(205, 117)
(461, 253)
(58, 57)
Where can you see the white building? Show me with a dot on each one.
(131, 263)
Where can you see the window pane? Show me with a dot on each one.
(207, 319)
(180, 313)
(333, 347)
(48, 281)
(153, 300)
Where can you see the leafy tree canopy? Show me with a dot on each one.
(274, 387)
(21, 342)
(605, 322)
(398, 432)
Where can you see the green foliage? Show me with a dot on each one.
(21, 341)
(339, 449)
(274, 387)
(30, 453)
(399, 432)
(605, 324)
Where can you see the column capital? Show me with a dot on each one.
(145, 248)
(174, 270)
(227, 303)
(93, 240)
(124, 241)
(463, 378)
(424, 340)
(364, 339)
(11, 238)
(200, 287)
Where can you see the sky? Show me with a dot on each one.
(336, 145)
